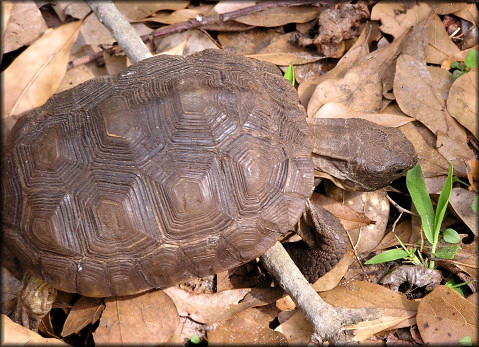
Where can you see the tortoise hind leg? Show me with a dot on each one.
(34, 300)
(324, 242)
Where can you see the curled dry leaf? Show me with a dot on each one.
(336, 110)
(24, 25)
(445, 317)
(398, 17)
(349, 217)
(36, 73)
(145, 318)
(209, 308)
(462, 102)
(375, 206)
(416, 275)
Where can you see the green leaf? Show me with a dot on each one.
(456, 74)
(392, 254)
(442, 203)
(454, 65)
(289, 74)
(447, 252)
(451, 236)
(420, 197)
(475, 204)
(466, 341)
(195, 339)
(471, 59)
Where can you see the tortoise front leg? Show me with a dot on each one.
(34, 300)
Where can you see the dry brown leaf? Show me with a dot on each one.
(336, 110)
(14, 334)
(439, 46)
(355, 53)
(462, 102)
(247, 42)
(279, 16)
(461, 201)
(6, 11)
(466, 258)
(248, 327)
(296, 329)
(74, 77)
(224, 6)
(397, 17)
(469, 12)
(209, 308)
(460, 56)
(145, 318)
(398, 310)
(442, 8)
(374, 205)
(403, 231)
(358, 84)
(196, 40)
(431, 161)
(175, 17)
(281, 52)
(137, 10)
(332, 278)
(36, 73)
(444, 316)
(349, 218)
(418, 96)
(24, 25)
(85, 311)
(93, 35)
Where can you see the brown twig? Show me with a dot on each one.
(197, 23)
(194, 23)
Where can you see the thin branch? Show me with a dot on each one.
(121, 29)
(194, 23)
(198, 23)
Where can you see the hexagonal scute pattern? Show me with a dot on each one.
(175, 168)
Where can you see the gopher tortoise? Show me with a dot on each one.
(177, 167)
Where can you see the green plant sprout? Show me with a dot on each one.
(195, 339)
(469, 63)
(431, 222)
(457, 286)
(289, 74)
(466, 341)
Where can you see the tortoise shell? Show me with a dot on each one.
(177, 167)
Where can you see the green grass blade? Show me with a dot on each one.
(289, 74)
(420, 197)
(392, 254)
(442, 204)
